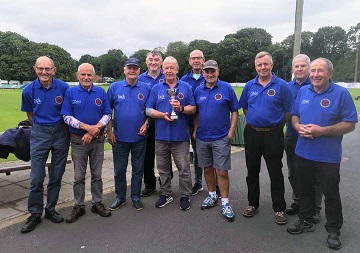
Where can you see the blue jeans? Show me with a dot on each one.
(43, 139)
(121, 152)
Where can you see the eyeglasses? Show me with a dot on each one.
(42, 69)
(196, 58)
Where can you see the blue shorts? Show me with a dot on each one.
(216, 154)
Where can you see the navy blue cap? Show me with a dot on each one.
(132, 61)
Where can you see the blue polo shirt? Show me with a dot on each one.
(214, 107)
(128, 103)
(88, 106)
(159, 100)
(149, 80)
(45, 104)
(294, 87)
(329, 107)
(266, 105)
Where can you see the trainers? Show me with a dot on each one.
(76, 213)
(184, 203)
(333, 241)
(138, 205)
(147, 192)
(209, 202)
(316, 217)
(280, 218)
(196, 189)
(100, 209)
(227, 212)
(117, 204)
(300, 226)
(54, 216)
(250, 211)
(31, 223)
(163, 201)
(293, 209)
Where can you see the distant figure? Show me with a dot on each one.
(152, 76)
(169, 100)
(216, 101)
(42, 100)
(195, 77)
(266, 101)
(86, 110)
(300, 69)
(127, 99)
(322, 113)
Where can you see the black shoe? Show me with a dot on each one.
(300, 226)
(218, 193)
(76, 213)
(196, 189)
(54, 216)
(117, 204)
(147, 192)
(100, 209)
(138, 205)
(163, 201)
(31, 223)
(333, 241)
(293, 209)
(184, 203)
(316, 217)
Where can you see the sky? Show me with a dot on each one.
(94, 26)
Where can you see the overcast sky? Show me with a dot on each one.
(94, 26)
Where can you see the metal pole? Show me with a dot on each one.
(298, 26)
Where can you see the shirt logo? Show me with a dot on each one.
(98, 102)
(254, 93)
(140, 96)
(271, 92)
(122, 96)
(37, 101)
(305, 102)
(325, 103)
(218, 96)
(59, 100)
(161, 80)
(181, 96)
(161, 96)
(202, 98)
(76, 102)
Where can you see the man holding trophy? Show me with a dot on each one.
(169, 104)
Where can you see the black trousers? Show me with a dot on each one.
(270, 145)
(329, 176)
(149, 161)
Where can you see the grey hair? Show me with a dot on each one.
(154, 52)
(85, 63)
(301, 57)
(329, 64)
(197, 50)
(47, 57)
(171, 59)
(262, 54)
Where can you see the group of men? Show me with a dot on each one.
(156, 114)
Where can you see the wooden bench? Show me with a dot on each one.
(8, 167)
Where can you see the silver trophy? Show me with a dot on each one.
(172, 93)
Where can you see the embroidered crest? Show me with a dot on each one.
(140, 96)
(59, 100)
(271, 92)
(325, 103)
(98, 101)
(218, 96)
(181, 96)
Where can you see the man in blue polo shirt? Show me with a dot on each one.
(266, 101)
(42, 100)
(152, 76)
(127, 98)
(213, 129)
(87, 111)
(300, 69)
(171, 135)
(194, 77)
(322, 113)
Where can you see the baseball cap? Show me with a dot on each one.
(210, 64)
(132, 61)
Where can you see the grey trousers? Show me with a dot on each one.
(94, 152)
(180, 153)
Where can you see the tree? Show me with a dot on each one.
(92, 60)
(179, 50)
(141, 56)
(111, 64)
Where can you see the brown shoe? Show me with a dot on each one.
(280, 218)
(250, 211)
(100, 209)
(76, 213)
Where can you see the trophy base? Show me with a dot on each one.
(174, 117)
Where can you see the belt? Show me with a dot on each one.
(76, 136)
(265, 129)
